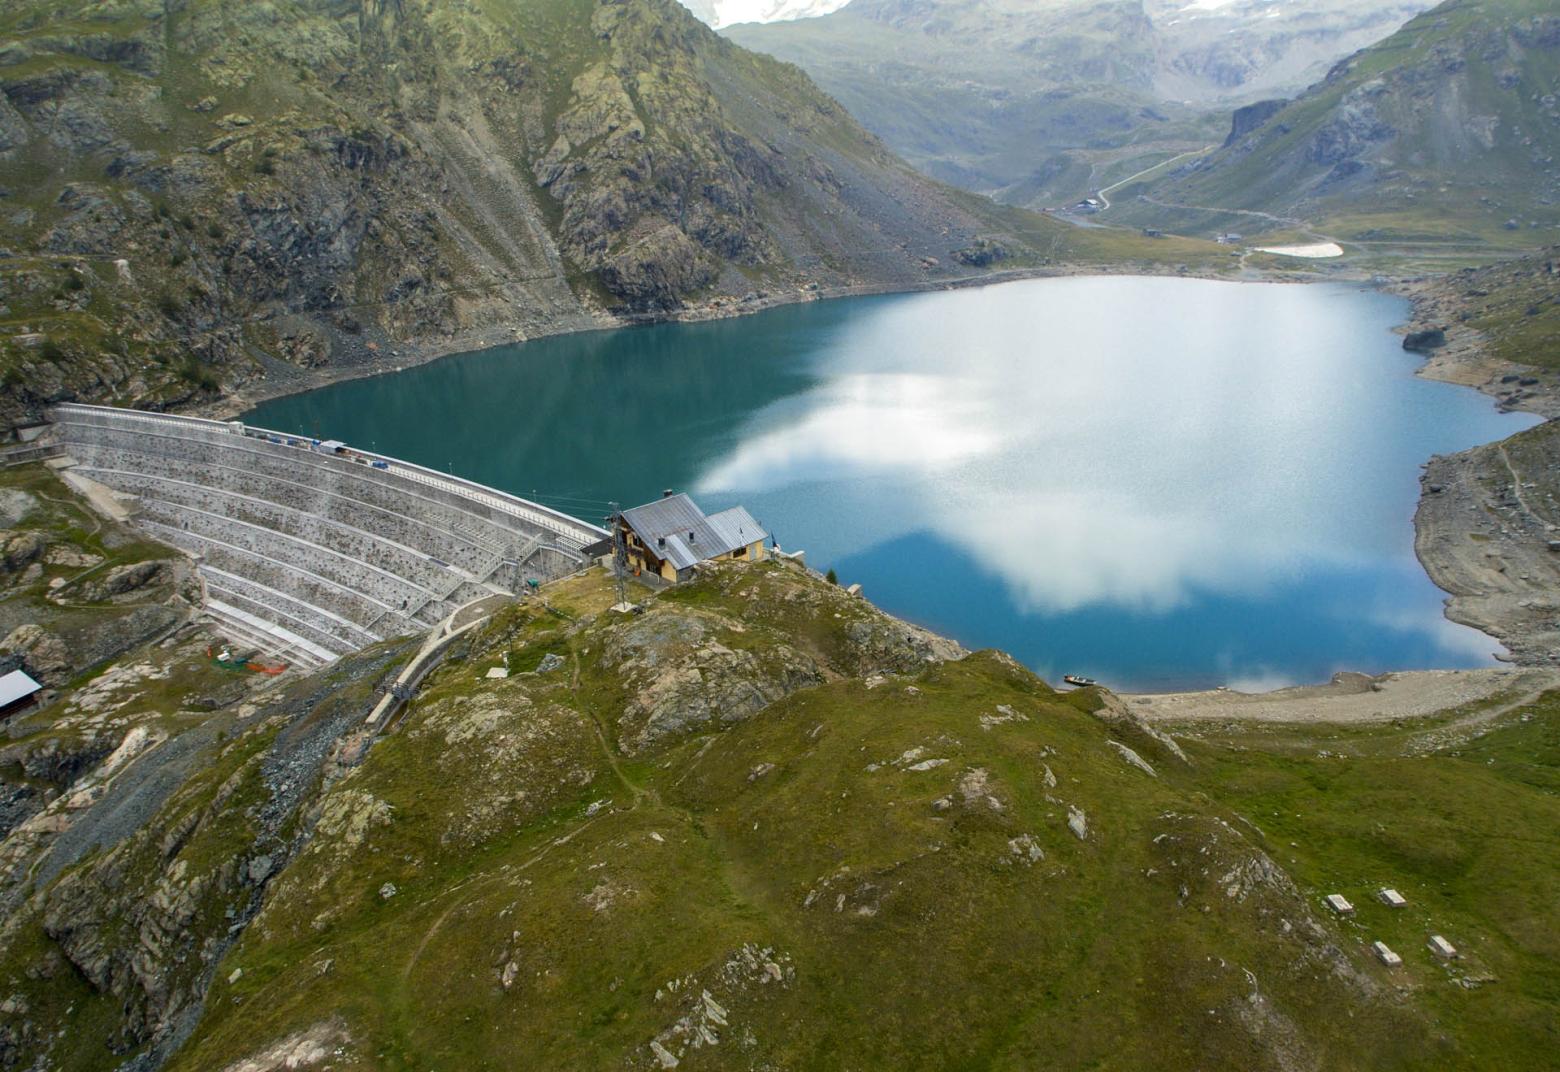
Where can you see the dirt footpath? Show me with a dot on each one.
(1356, 698)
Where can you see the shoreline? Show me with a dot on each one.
(1478, 533)
(292, 380)
(1463, 361)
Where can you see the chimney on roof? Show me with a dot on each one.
(666, 493)
(690, 537)
(660, 541)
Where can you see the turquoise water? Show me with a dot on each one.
(1156, 482)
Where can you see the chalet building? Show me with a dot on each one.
(18, 693)
(668, 537)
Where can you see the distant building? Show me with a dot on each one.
(17, 691)
(668, 537)
(1385, 955)
(1391, 898)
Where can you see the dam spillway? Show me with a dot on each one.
(312, 550)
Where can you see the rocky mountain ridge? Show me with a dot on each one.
(1044, 103)
(1443, 136)
(202, 196)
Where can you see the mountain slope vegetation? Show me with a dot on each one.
(1045, 102)
(1445, 134)
(196, 195)
(762, 825)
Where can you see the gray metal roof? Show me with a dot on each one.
(736, 528)
(16, 686)
(691, 536)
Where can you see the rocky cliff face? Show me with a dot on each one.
(1446, 131)
(1045, 102)
(200, 195)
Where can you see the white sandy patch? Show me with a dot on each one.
(1315, 251)
(1351, 698)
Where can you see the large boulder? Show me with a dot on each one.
(18, 550)
(122, 580)
(43, 653)
(1423, 342)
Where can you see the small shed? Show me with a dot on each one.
(1385, 955)
(1442, 948)
(17, 693)
(1392, 898)
(1339, 904)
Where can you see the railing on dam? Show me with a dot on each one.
(570, 532)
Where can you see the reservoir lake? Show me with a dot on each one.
(1161, 483)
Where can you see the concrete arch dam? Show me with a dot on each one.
(312, 550)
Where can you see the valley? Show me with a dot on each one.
(998, 346)
(1041, 104)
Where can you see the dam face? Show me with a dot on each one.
(310, 551)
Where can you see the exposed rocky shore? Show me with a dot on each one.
(1488, 525)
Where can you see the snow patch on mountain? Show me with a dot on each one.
(721, 13)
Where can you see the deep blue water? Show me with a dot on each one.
(1162, 483)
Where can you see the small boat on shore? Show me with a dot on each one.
(1079, 682)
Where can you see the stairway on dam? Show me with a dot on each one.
(312, 550)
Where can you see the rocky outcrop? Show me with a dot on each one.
(680, 677)
(18, 550)
(1426, 341)
(1252, 116)
(123, 580)
(43, 654)
(1393, 132)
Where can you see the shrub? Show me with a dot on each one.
(199, 374)
(831, 576)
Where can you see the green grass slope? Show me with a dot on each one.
(1515, 305)
(1443, 137)
(763, 826)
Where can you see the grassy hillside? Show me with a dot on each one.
(202, 194)
(762, 825)
(1442, 138)
(1515, 305)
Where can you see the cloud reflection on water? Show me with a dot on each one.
(1092, 455)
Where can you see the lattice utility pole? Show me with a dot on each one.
(619, 554)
